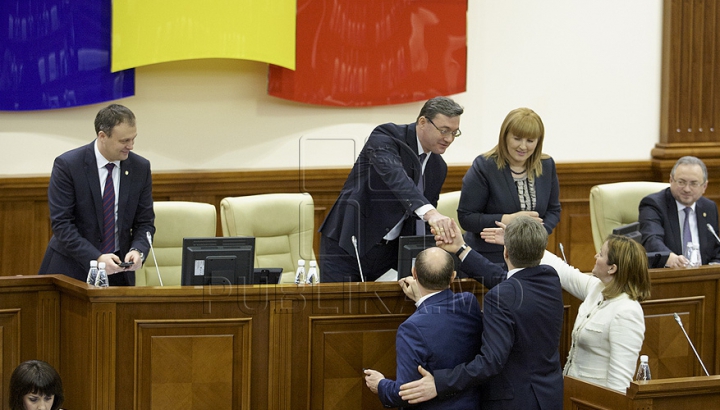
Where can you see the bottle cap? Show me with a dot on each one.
(101, 265)
(301, 262)
(313, 263)
(643, 358)
(93, 263)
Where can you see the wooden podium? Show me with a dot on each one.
(701, 392)
(290, 347)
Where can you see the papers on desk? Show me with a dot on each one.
(390, 276)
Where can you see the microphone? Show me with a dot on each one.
(712, 231)
(157, 269)
(562, 250)
(357, 256)
(677, 319)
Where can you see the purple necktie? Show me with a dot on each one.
(687, 235)
(420, 224)
(108, 239)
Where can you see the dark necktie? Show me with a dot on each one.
(420, 224)
(687, 235)
(108, 238)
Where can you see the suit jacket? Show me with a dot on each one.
(76, 211)
(488, 193)
(607, 334)
(423, 340)
(382, 189)
(660, 226)
(519, 363)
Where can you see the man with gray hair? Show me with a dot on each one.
(422, 340)
(678, 215)
(518, 366)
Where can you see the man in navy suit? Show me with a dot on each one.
(519, 363)
(424, 338)
(662, 215)
(75, 197)
(392, 190)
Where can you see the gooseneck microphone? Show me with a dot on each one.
(157, 269)
(357, 256)
(562, 250)
(712, 231)
(677, 319)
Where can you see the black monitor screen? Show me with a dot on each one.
(217, 261)
(408, 248)
(631, 230)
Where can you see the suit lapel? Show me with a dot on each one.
(510, 185)
(701, 214)
(93, 181)
(673, 221)
(126, 176)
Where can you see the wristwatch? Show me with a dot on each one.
(461, 250)
(142, 255)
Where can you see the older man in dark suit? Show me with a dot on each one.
(518, 366)
(101, 206)
(422, 340)
(392, 190)
(664, 213)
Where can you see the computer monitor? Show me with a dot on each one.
(218, 261)
(408, 248)
(631, 230)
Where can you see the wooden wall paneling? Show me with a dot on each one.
(48, 330)
(102, 355)
(193, 364)
(10, 339)
(281, 354)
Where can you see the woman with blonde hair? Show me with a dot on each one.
(514, 178)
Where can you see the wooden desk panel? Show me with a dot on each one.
(271, 347)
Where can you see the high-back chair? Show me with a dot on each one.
(174, 220)
(448, 205)
(282, 224)
(616, 204)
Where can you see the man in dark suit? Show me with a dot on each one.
(81, 232)
(391, 191)
(671, 218)
(518, 364)
(422, 340)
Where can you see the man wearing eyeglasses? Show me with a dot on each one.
(392, 190)
(671, 218)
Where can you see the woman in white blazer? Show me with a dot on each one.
(610, 326)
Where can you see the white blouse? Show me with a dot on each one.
(607, 335)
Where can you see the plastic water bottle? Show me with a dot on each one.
(92, 273)
(643, 371)
(102, 279)
(300, 273)
(693, 255)
(312, 275)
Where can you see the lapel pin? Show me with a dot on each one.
(704, 215)
(126, 173)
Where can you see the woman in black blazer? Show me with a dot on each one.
(514, 178)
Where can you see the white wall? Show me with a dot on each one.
(590, 68)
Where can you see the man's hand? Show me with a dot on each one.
(111, 263)
(456, 238)
(409, 287)
(494, 235)
(419, 390)
(676, 261)
(507, 218)
(440, 225)
(134, 257)
(372, 379)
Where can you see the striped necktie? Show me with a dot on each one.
(108, 238)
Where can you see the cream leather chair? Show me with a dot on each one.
(282, 224)
(448, 205)
(616, 204)
(175, 220)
